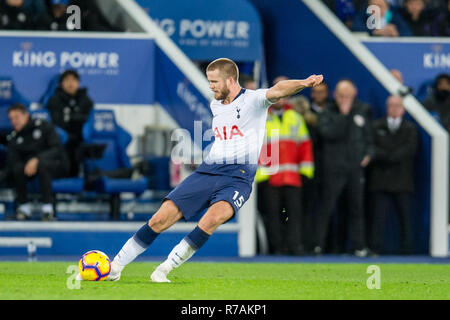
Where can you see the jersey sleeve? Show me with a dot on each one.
(263, 102)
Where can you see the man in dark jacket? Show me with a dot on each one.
(13, 16)
(392, 171)
(439, 100)
(34, 149)
(347, 149)
(69, 109)
(418, 18)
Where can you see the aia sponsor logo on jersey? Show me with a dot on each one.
(227, 134)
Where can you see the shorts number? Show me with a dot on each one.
(239, 200)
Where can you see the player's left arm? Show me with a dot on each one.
(286, 88)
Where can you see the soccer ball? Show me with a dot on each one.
(94, 265)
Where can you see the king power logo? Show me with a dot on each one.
(65, 59)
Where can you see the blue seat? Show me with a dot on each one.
(101, 128)
(63, 185)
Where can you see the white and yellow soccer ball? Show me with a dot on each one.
(94, 265)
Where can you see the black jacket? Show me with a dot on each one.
(346, 138)
(14, 18)
(392, 169)
(37, 139)
(441, 105)
(70, 112)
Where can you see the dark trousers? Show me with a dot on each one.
(284, 226)
(47, 170)
(72, 148)
(381, 209)
(335, 184)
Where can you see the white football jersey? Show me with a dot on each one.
(238, 129)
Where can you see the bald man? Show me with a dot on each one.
(347, 149)
(391, 177)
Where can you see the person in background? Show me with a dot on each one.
(344, 10)
(34, 150)
(93, 19)
(417, 17)
(320, 97)
(247, 82)
(439, 100)
(311, 186)
(69, 108)
(441, 25)
(391, 174)
(347, 150)
(54, 19)
(283, 196)
(13, 16)
(391, 24)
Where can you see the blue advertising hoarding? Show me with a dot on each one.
(115, 70)
(206, 29)
(418, 61)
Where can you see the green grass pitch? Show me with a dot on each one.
(230, 281)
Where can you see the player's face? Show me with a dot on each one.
(218, 84)
(18, 119)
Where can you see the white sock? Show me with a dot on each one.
(130, 250)
(25, 208)
(179, 254)
(47, 208)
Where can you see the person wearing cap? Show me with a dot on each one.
(69, 108)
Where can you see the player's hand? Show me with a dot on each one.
(313, 80)
(31, 167)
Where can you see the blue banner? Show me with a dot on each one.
(419, 62)
(179, 97)
(115, 70)
(206, 30)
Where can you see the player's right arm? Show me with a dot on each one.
(287, 88)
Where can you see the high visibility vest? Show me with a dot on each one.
(287, 151)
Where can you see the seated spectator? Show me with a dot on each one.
(13, 16)
(92, 18)
(417, 17)
(439, 100)
(391, 23)
(344, 10)
(35, 8)
(55, 18)
(441, 25)
(392, 172)
(34, 150)
(69, 109)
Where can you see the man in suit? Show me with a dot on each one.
(391, 176)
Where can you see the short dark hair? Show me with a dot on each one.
(18, 107)
(442, 76)
(70, 72)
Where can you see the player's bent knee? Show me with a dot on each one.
(218, 214)
(165, 217)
